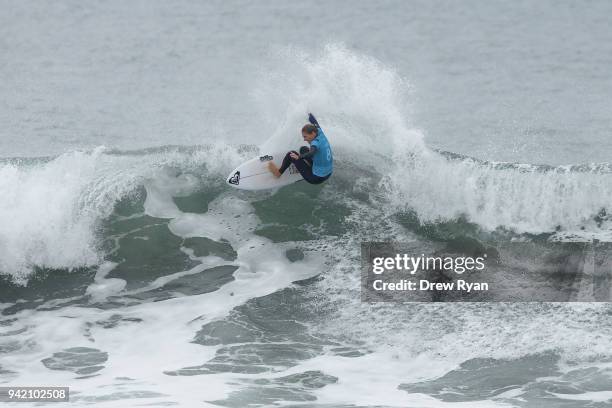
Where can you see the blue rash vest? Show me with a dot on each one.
(323, 160)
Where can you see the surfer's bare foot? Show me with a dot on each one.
(273, 169)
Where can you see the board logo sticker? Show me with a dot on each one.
(293, 169)
(235, 179)
(267, 157)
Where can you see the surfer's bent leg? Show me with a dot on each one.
(305, 169)
(304, 166)
(287, 160)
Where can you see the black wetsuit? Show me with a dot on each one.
(304, 164)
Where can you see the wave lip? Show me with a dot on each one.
(519, 197)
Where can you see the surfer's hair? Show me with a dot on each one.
(309, 128)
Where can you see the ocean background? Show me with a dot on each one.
(131, 273)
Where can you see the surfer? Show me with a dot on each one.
(315, 164)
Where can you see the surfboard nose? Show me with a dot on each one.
(234, 178)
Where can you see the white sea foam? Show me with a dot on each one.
(361, 104)
(524, 200)
(139, 353)
(103, 286)
(51, 209)
(44, 220)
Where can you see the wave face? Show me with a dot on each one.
(54, 206)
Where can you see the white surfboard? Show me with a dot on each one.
(254, 174)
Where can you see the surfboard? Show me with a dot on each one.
(254, 174)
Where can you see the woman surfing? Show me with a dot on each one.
(315, 164)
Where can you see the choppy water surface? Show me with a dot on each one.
(132, 274)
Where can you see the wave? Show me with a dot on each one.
(52, 206)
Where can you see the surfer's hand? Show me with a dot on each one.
(312, 120)
(294, 156)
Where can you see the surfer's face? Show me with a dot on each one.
(309, 137)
